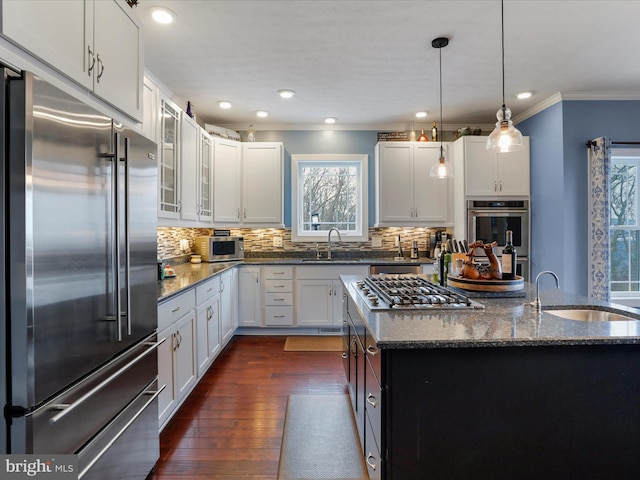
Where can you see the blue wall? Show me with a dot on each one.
(322, 141)
(559, 176)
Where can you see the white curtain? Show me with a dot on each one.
(599, 171)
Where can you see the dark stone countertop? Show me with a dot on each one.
(188, 275)
(503, 322)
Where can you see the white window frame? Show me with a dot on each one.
(631, 298)
(361, 234)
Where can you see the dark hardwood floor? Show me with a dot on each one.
(231, 425)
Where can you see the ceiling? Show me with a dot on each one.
(370, 64)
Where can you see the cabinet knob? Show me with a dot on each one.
(344, 355)
(371, 400)
(371, 461)
(371, 350)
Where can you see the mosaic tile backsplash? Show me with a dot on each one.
(260, 241)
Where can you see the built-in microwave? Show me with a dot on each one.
(488, 220)
(219, 249)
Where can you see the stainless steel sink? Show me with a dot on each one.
(330, 260)
(586, 315)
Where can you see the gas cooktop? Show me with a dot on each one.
(385, 292)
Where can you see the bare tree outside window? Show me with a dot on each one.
(624, 229)
(331, 192)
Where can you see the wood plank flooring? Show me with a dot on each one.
(231, 425)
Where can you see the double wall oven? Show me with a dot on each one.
(488, 220)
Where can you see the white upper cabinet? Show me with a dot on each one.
(262, 189)
(406, 194)
(227, 181)
(168, 159)
(205, 177)
(189, 163)
(96, 43)
(494, 174)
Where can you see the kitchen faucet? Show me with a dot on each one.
(329, 241)
(536, 303)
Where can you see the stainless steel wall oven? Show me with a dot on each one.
(488, 220)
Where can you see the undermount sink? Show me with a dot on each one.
(329, 260)
(589, 315)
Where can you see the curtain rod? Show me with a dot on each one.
(591, 143)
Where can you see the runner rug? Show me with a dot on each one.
(320, 440)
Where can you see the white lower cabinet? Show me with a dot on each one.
(228, 311)
(208, 323)
(278, 296)
(177, 354)
(318, 297)
(249, 304)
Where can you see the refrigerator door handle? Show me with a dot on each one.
(125, 212)
(115, 185)
(68, 408)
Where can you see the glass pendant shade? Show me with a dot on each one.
(443, 169)
(505, 137)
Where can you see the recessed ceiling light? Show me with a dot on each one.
(421, 114)
(286, 93)
(523, 95)
(224, 104)
(262, 113)
(330, 120)
(163, 15)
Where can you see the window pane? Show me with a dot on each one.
(329, 196)
(623, 194)
(619, 256)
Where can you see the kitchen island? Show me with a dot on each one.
(502, 392)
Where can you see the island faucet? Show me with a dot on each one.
(334, 229)
(536, 303)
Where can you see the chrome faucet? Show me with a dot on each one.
(536, 303)
(329, 241)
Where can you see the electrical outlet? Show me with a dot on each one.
(277, 241)
(376, 241)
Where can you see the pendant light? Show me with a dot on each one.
(443, 169)
(505, 137)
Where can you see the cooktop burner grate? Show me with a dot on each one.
(406, 291)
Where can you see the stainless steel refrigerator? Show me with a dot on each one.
(79, 313)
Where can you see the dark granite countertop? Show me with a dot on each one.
(503, 322)
(188, 274)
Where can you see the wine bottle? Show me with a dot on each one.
(509, 258)
(434, 132)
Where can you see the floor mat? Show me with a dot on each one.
(306, 343)
(320, 440)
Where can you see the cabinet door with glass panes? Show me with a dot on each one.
(205, 178)
(168, 160)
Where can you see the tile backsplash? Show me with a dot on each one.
(263, 240)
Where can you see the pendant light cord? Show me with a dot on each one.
(502, 27)
(441, 126)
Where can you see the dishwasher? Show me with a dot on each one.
(395, 269)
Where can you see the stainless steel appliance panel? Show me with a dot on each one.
(128, 447)
(62, 321)
(68, 421)
(3, 231)
(489, 220)
(137, 233)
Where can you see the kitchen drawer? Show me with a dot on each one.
(373, 401)
(278, 286)
(208, 289)
(330, 272)
(374, 355)
(277, 272)
(372, 456)
(278, 316)
(278, 299)
(175, 308)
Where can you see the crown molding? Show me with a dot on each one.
(569, 96)
(352, 127)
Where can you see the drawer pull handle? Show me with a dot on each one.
(175, 309)
(371, 400)
(278, 286)
(344, 355)
(371, 461)
(278, 316)
(210, 289)
(278, 273)
(278, 299)
(371, 350)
